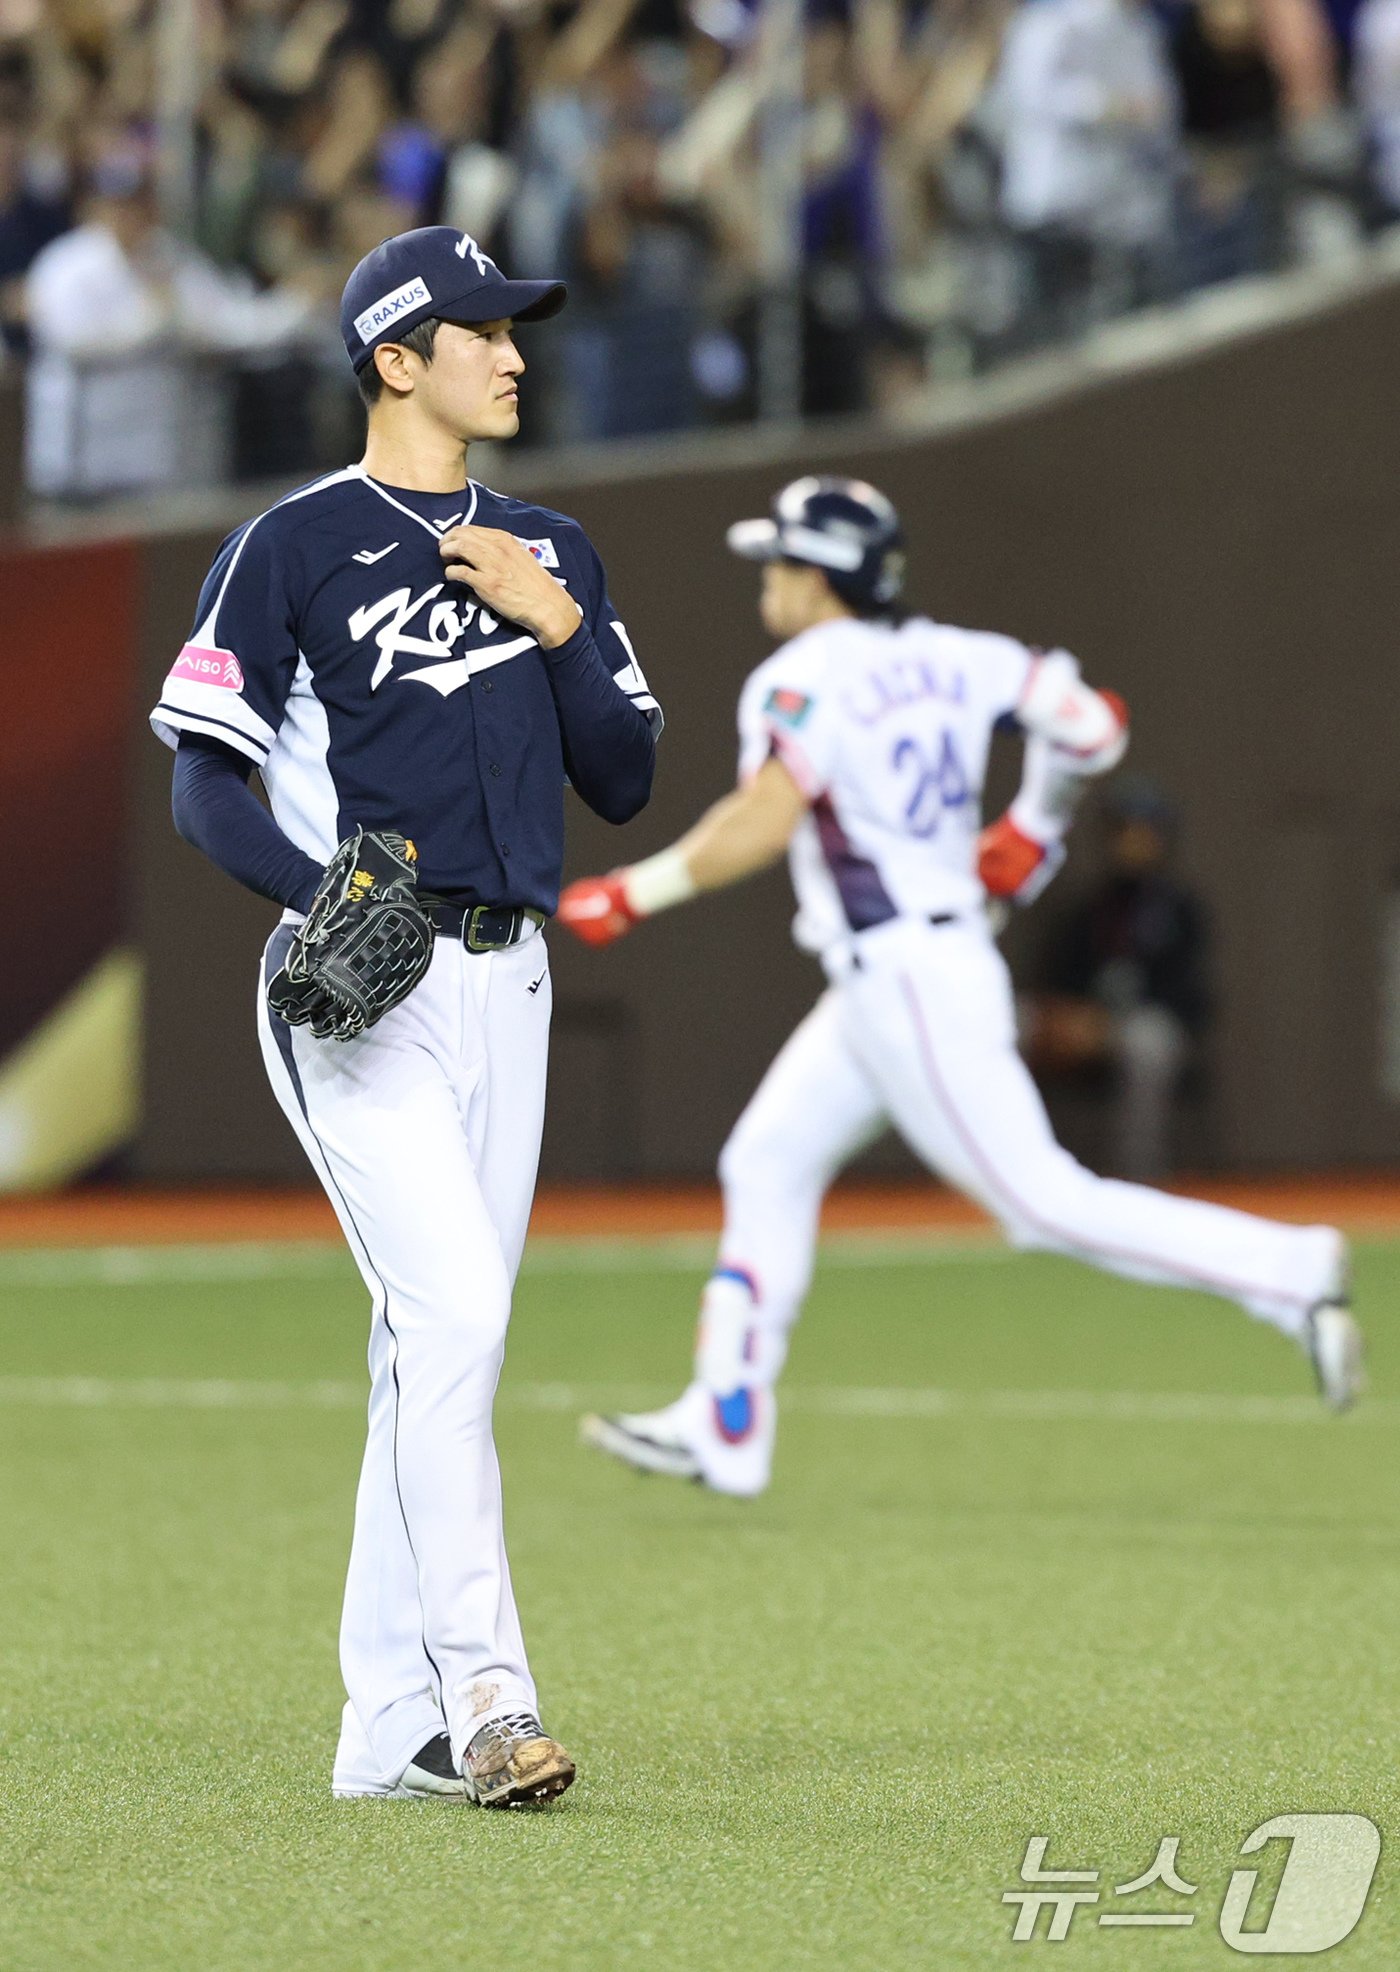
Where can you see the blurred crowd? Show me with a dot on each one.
(184, 185)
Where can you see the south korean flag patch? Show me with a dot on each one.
(543, 551)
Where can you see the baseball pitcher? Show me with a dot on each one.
(863, 746)
(414, 665)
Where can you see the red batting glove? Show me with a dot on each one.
(596, 908)
(1007, 858)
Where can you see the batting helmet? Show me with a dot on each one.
(841, 526)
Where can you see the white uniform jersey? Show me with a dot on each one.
(886, 729)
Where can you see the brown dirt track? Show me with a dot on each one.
(1363, 1202)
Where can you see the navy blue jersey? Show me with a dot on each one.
(331, 649)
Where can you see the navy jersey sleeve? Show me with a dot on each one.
(231, 680)
(608, 718)
(614, 644)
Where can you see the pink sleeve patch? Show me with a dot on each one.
(203, 666)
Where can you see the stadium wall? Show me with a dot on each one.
(1215, 535)
(69, 981)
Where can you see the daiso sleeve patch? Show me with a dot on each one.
(201, 666)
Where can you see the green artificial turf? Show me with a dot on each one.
(816, 1730)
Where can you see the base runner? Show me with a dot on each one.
(863, 746)
(414, 665)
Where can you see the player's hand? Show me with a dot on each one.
(596, 908)
(1012, 864)
(499, 569)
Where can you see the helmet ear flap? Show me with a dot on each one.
(869, 596)
(851, 590)
(890, 580)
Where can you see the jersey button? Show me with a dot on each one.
(495, 771)
(488, 685)
(505, 848)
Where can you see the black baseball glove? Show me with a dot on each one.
(365, 943)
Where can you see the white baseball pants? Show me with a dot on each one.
(921, 1035)
(425, 1132)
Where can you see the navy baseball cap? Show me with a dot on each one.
(434, 270)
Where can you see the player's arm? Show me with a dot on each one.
(217, 812)
(220, 707)
(1087, 729)
(609, 745)
(1073, 734)
(740, 835)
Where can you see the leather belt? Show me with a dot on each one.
(936, 918)
(481, 927)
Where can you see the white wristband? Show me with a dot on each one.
(658, 883)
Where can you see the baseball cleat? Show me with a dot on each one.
(724, 1442)
(1335, 1345)
(511, 1762)
(651, 1441)
(432, 1773)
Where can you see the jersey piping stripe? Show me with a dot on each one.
(297, 776)
(998, 1186)
(398, 505)
(277, 948)
(864, 897)
(200, 722)
(216, 703)
(304, 493)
